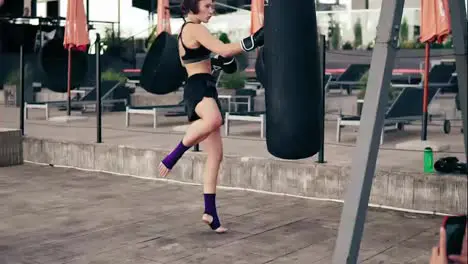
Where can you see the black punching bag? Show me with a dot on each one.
(292, 67)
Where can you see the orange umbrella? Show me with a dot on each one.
(76, 34)
(435, 21)
(435, 27)
(257, 8)
(164, 17)
(257, 11)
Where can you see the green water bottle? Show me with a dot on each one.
(428, 160)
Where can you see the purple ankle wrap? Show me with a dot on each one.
(210, 208)
(170, 160)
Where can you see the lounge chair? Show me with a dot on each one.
(407, 107)
(155, 111)
(87, 98)
(259, 117)
(351, 77)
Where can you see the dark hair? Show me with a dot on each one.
(189, 5)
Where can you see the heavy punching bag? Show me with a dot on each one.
(53, 62)
(292, 88)
(162, 72)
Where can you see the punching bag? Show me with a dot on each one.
(293, 85)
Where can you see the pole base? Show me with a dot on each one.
(421, 145)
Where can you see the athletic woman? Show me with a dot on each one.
(196, 44)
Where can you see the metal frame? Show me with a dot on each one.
(151, 110)
(248, 118)
(356, 199)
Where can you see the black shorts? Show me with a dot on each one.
(196, 88)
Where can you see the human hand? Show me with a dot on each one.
(439, 253)
(463, 257)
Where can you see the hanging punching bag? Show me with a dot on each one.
(292, 67)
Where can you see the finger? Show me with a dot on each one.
(435, 254)
(443, 242)
(464, 251)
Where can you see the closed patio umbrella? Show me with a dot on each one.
(76, 35)
(435, 27)
(164, 17)
(257, 8)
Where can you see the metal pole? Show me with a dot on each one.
(118, 19)
(69, 82)
(356, 199)
(21, 88)
(98, 89)
(196, 148)
(460, 38)
(427, 68)
(87, 12)
(321, 156)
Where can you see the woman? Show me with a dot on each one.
(201, 98)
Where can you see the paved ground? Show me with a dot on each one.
(55, 215)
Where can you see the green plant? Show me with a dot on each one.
(392, 92)
(224, 38)
(448, 44)
(357, 34)
(408, 44)
(404, 30)
(233, 81)
(347, 46)
(13, 78)
(336, 35)
(112, 75)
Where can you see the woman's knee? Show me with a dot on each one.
(209, 112)
(215, 121)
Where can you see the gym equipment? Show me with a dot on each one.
(162, 71)
(293, 80)
(53, 62)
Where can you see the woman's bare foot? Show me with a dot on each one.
(208, 219)
(163, 171)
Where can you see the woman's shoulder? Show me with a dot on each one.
(195, 27)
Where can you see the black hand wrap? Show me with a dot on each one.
(253, 41)
(228, 65)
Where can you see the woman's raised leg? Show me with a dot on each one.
(210, 120)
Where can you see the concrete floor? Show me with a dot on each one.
(55, 215)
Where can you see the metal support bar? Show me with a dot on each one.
(196, 148)
(21, 89)
(98, 90)
(321, 154)
(460, 38)
(357, 195)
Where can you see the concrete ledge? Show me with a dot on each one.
(11, 147)
(421, 145)
(407, 190)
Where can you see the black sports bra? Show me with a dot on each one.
(193, 55)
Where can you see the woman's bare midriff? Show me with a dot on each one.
(198, 67)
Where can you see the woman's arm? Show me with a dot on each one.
(205, 38)
(227, 50)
